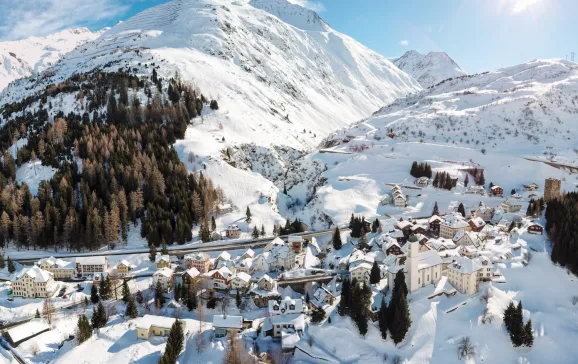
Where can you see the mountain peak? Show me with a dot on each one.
(293, 14)
(428, 69)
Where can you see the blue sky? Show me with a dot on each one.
(478, 34)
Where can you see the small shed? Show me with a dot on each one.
(223, 323)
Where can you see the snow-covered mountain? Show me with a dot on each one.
(276, 68)
(428, 69)
(21, 58)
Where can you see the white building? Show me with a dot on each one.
(163, 261)
(285, 314)
(222, 324)
(361, 272)
(61, 269)
(463, 275)
(420, 268)
(90, 265)
(240, 281)
(452, 224)
(33, 282)
(219, 277)
(164, 276)
(397, 197)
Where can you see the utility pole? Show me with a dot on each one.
(572, 56)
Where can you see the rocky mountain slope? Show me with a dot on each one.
(22, 58)
(428, 69)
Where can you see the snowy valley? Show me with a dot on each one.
(234, 166)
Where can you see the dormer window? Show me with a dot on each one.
(276, 308)
(291, 307)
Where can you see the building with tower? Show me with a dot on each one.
(551, 189)
(420, 268)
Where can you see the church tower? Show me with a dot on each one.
(412, 264)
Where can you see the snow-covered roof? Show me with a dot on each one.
(28, 329)
(360, 256)
(249, 253)
(202, 257)
(321, 294)
(289, 338)
(440, 243)
(233, 227)
(167, 272)
(397, 234)
(147, 321)
(478, 222)
(56, 263)
(294, 239)
(285, 306)
(403, 224)
(100, 260)
(495, 187)
(39, 275)
(443, 286)
(295, 319)
(464, 265)
(455, 222)
(266, 278)
(242, 276)
(428, 259)
(224, 206)
(192, 272)
(360, 266)
(124, 262)
(228, 321)
(435, 218)
(225, 255)
(162, 258)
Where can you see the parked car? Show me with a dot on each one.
(64, 297)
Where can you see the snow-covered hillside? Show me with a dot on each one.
(428, 69)
(275, 68)
(22, 58)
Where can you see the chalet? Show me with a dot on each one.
(441, 244)
(477, 224)
(385, 200)
(509, 206)
(33, 282)
(163, 261)
(434, 223)
(398, 235)
(535, 228)
(19, 334)
(399, 200)
(249, 253)
(451, 225)
(466, 238)
(266, 283)
(531, 187)
(323, 295)
(225, 256)
(484, 212)
(478, 190)
(469, 251)
(404, 226)
(164, 276)
(417, 229)
(224, 208)
(497, 190)
(244, 265)
(233, 232)
(190, 276)
(201, 261)
(422, 181)
(240, 281)
(150, 325)
(260, 263)
(122, 268)
(485, 274)
(361, 272)
(222, 324)
(296, 243)
(392, 247)
(219, 277)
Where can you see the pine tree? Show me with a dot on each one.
(131, 309)
(175, 342)
(2, 262)
(192, 301)
(362, 242)
(375, 226)
(125, 292)
(375, 276)
(401, 319)
(462, 210)
(37, 315)
(517, 328)
(318, 314)
(139, 297)
(213, 224)
(337, 244)
(83, 329)
(101, 312)
(343, 309)
(238, 299)
(307, 299)
(383, 319)
(164, 250)
(94, 298)
(248, 215)
(466, 180)
(528, 334)
(152, 252)
(262, 230)
(104, 289)
(482, 179)
(94, 320)
(509, 313)
(255, 233)
(177, 292)
(11, 267)
(351, 221)
(159, 295)
(436, 210)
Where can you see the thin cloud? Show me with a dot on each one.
(313, 5)
(25, 18)
(404, 42)
(521, 5)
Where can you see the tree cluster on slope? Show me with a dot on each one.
(130, 172)
(444, 180)
(561, 220)
(420, 170)
(520, 334)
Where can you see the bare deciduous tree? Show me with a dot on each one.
(466, 348)
(48, 310)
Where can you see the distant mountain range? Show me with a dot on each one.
(428, 69)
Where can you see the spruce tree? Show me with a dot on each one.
(11, 267)
(238, 299)
(125, 292)
(362, 242)
(213, 224)
(152, 252)
(517, 328)
(175, 342)
(436, 210)
(337, 239)
(462, 210)
(104, 289)
(262, 230)
(375, 275)
(255, 233)
(83, 329)
(2, 262)
(509, 313)
(351, 221)
(466, 180)
(342, 309)
(139, 297)
(401, 319)
(95, 319)
(528, 334)
(318, 314)
(164, 250)
(159, 295)
(383, 319)
(248, 215)
(37, 314)
(101, 313)
(131, 309)
(94, 298)
(192, 301)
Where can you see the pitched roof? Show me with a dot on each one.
(242, 276)
(428, 259)
(162, 258)
(198, 257)
(229, 322)
(435, 218)
(359, 266)
(464, 265)
(147, 321)
(192, 272)
(225, 255)
(284, 306)
(39, 275)
(167, 272)
(28, 329)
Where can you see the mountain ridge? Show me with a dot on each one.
(428, 69)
